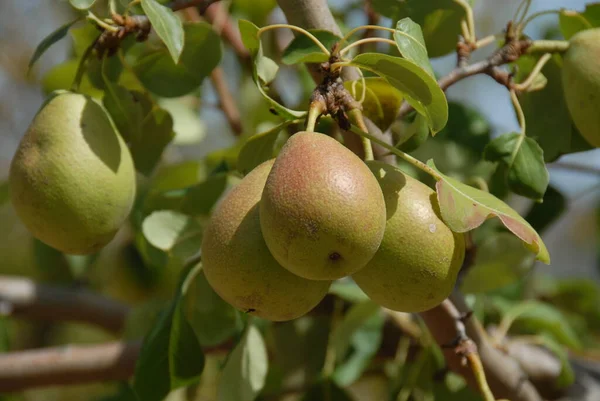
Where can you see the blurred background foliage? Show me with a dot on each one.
(374, 358)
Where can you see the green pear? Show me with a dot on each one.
(72, 179)
(419, 258)
(322, 211)
(581, 83)
(239, 266)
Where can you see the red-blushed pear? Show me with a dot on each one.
(419, 258)
(581, 83)
(322, 212)
(239, 266)
(72, 179)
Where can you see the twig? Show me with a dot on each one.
(74, 364)
(229, 32)
(23, 298)
(227, 102)
(67, 365)
(182, 4)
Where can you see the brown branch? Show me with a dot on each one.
(218, 16)
(227, 102)
(504, 375)
(23, 298)
(67, 365)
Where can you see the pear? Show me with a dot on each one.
(239, 266)
(72, 179)
(581, 83)
(322, 211)
(419, 258)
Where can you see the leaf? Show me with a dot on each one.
(166, 229)
(539, 317)
(212, 319)
(464, 208)
(171, 356)
(500, 260)
(157, 133)
(439, 19)
(468, 127)
(548, 118)
(202, 53)
(49, 40)
(259, 148)
(410, 42)
(303, 50)
(326, 390)
(348, 291)
(361, 332)
(201, 198)
(82, 4)
(167, 26)
(382, 101)
(527, 173)
(189, 128)
(567, 375)
(571, 22)
(249, 33)
(124, 109)
(419, 89)
(541, 215)
(245, 371)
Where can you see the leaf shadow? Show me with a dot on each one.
(100, 135)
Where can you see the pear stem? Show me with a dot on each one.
(297, 29)
(548, 46)
(404, 156)
(373, 27)
(357, 117)
(523, 86)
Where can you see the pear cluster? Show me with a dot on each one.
(318, 213)
(72, 179)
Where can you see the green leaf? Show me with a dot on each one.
(262, 70)
(245, 371)
(49, 40)
(382, 101)
(171, 356)
(202, 53)
(212, 319)
(410, 42)
(259, 148)
(82, 4)
(546, 112)
(539, 317)
(348, 291)
(419, 89)
(572, 22)
(200, 199)
(360, 331)
(464, 208)
(189, 128)
(124, 109)
(326, 390)
(4, 192)
(167, 229)
(157, 133)
(527, 173)
(439, 19)
(167, 26)
(303, 50)
(567, 376)
(411, 136)
(60, 77)
(541, 215)
(500, 260)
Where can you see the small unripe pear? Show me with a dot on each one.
(581, 83)
(239, 266)
(417, 263)
(72, 179)
(322, 211)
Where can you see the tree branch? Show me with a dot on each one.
(23, 298)
(218, 16)
(67, 365)
(227, 102)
